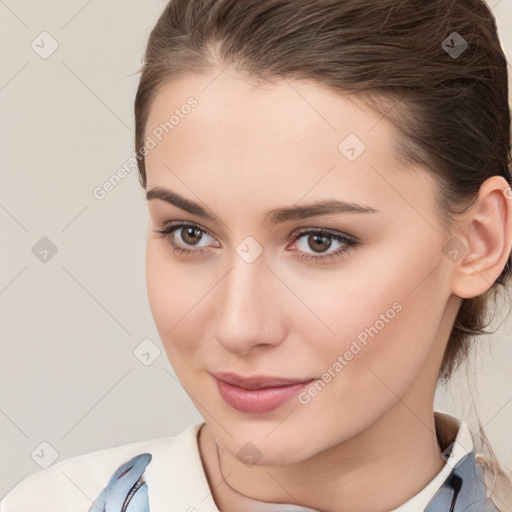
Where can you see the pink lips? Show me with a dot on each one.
(257, 394)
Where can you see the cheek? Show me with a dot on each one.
(159, 285)
(383, 324)
(180, 300)
(168, 293)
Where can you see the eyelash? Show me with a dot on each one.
(350, 243)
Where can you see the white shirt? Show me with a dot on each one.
(175, 477)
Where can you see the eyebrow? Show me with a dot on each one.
(272, 217)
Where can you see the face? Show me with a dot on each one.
(351, 302)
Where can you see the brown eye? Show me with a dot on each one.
(320, 241)
(191, 235)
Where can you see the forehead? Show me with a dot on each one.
(282, 142)
(279, 114)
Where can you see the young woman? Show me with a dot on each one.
(328, 184)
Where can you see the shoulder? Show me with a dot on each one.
(74, 483)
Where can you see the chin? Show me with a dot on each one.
(260, 445)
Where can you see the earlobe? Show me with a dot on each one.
(488, 238)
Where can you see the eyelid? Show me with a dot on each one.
(327, 231)
(177, 225)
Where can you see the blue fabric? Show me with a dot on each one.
(463, 490)
(126, 491)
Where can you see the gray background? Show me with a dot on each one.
(72, 326)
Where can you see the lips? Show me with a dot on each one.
(257, 394)
(256, 382)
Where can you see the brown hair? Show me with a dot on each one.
(448, 102)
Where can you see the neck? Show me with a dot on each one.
(360, 473)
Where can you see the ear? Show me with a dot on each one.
(487, 236)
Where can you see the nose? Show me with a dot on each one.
(249, 311)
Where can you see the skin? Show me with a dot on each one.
(248, 148)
